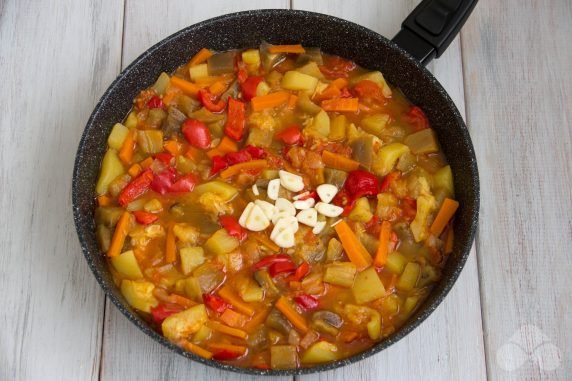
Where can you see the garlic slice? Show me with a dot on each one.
(257, 220)
(308, 217)
(273, 189)
(327, 192)
(304, 204)
(290, 181)
(287, 223)
(244, 215)
(320, 225)
(255, 190)
(329, 210)
(285, 239)
(301, 195)
(266, 207)
(283, 205)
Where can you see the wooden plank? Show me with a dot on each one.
(127, 353)
(56, 60)
(449, 345)
(517, 61)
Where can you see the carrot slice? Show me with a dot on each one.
(170, 245)
(187, 345)
(193, 153)
(235, 169)
(173, 147)
(227, 294)
(146, 163)
(447, 210)
(264, 240)
(294, 49)
(134, 170)
(126, 151)
(449, 240)
(292, 101)
(219, 327)
(341, 104)
(217, 88)
(333, 160)
(355, 250)
(202, 55)
(170, 95)
(229, 347)
(291, 314)
(188, 88)
(333, 90)
(257, 320)
(119, 235)
(233, 318)
(270, 100)
(383, 248)
(225, 146)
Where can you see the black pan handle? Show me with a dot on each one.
(430, 28)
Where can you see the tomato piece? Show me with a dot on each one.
(184, 184)
(155, 102)
(387, 180)
(236, 119)
(197, 133)
(255, 152)
(271, 259)
(417, 118)
(281, 267)
(218, 164)
(232, 227)
(373, 226)
(209, 101)
(290, 135)
(163, 181)
(136, 188)
(368, 89)
(361, 183)
(145, 218)
(164, 157)
(409, 206)
(248, 87)
(307, 302)
(163, 311)
(336, 67)
(215, 302)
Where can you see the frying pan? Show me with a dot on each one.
(425, 34)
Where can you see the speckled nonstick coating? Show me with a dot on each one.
(248, 29)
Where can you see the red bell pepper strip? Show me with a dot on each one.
(387, 180)
(248, 87)
(197, 133)
(255, 152)
(163, 181)
(218, 164)
(278, 268)
(232, 227)
(145, 218)
(164, 157)
(136, 188)
(300, 272)
(416, 117)
(290, 135)
(155, 102)
(236, 119)
(209, 101)
(233, 158)
(163, 311)
(226, 354)
(307, 302)
(215, 302)
(184, 184)
(271, 259)
(361, 183)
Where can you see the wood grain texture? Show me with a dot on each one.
(517, 59)
(128, 354)
(449, 345)
(55, 61)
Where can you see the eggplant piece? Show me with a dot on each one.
(269, 60)
(265, 281)
(108, 215)
(310, 54)
(283, 357)
(187, 104)
(335, 177)
(362, 150)
(329, 317)
(221, 63)
(172, 124)
(424, 141)
(209, 277)
(278, 322)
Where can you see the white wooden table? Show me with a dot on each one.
(509, 317)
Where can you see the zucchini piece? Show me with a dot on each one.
(396, 262)
(422, 142)
(150, 141)
(306, 105)
(340, 274)
(409, 277)
(334, 251)
(375, 124)
(367, 286)
(161, 83)
(338, 128)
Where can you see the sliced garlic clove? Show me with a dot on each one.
(329, 210)
(304, 204)
(255, 190)
(284, 206)
(266, 207)
(320, 225)
(286, 223)
(273, 189)
(244, 215)
(290, 181)
(308, 217)
(327, 192)
(301, 195)
(277, 216)
(257, 220)
(285, 239)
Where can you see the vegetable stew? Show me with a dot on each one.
(275, 207)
